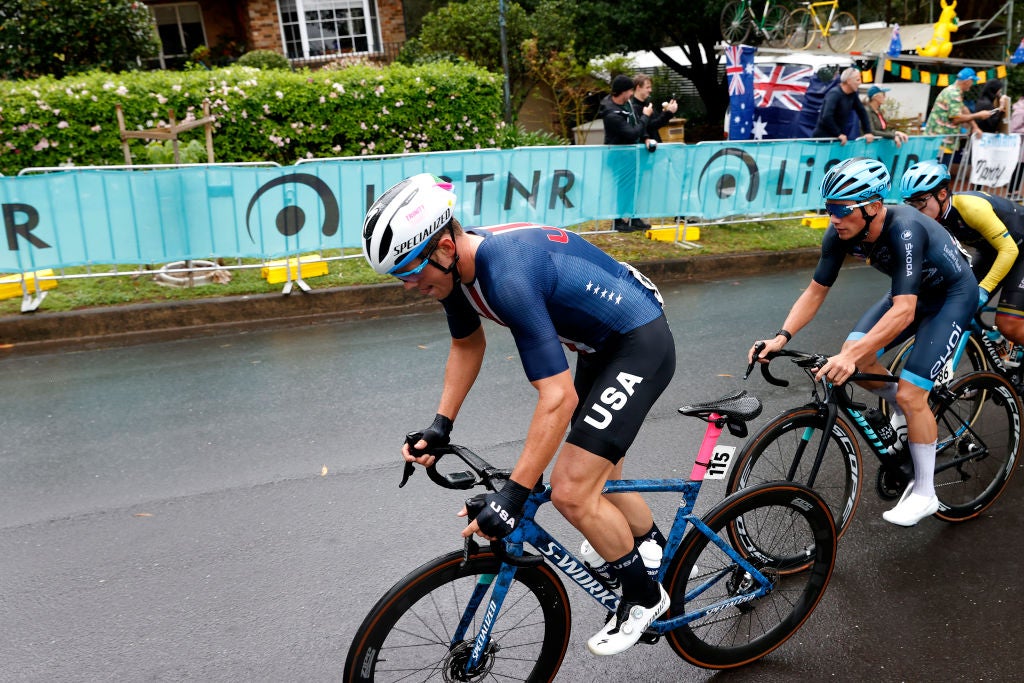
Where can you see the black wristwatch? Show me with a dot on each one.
(785, 334)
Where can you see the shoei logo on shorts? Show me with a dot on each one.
(951, 343)
(613, 397)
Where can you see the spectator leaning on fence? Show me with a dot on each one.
(880, 128)
(623, 125)
(949, 113)
(836, 108)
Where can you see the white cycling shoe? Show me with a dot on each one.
(624, 630)
(912, 508)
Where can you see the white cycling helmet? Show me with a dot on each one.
(401, 222)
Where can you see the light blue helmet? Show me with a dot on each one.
(924, 176)
(856, 179)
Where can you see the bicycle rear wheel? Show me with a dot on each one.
(775, 526)
(794, 437)
(978, 444)
(408, 635)
(735, 26)
(800, 29)
(843, 32)
(775, 26)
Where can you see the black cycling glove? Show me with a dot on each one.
(435, 435)
(497, 513)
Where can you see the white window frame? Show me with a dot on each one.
(181, 34)
(371, 15)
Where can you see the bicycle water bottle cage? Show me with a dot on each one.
(734, 411)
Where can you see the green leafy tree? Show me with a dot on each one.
(607, 26)
(45, 37)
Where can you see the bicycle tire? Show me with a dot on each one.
(409, 629)
(975, 354)
(772, 519)
(989, 404)
(734, 22)
(800, 29)
(768, 455)
(842, 33)
(775, 26)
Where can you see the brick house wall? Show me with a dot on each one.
(255, 22)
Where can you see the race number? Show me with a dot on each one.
(719, 465)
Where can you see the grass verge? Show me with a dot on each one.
(88, 292)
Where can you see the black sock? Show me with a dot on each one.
(654, 534)
(637, 586)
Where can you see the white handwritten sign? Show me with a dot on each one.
(993, 159)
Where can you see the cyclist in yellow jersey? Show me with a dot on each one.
(992, 226)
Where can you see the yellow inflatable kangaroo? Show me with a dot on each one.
(940, 45)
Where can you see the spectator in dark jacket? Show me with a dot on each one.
(642, 93)
(624, 126)
(836, 108)
(992, 98)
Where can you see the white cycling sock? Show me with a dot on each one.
(923, 455)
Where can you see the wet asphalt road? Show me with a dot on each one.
(226, 508)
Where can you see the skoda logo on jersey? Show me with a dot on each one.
(906, 235)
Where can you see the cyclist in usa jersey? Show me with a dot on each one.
(933, 295)
(550, 288)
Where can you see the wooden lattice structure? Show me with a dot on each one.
(169, 132)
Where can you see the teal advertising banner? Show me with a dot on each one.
(79, 217)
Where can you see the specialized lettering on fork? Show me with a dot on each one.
(613, 398)
(485, 630)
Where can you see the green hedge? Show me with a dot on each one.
(273, 115)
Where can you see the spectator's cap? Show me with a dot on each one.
(874, 90)
(621, 84)
(966, 74)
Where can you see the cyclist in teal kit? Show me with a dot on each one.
(933, 296)
(551, 288)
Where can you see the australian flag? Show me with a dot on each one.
(739, 74)
(779, 96)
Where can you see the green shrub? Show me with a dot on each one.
(264, 59)
(42, 37)
(157, 152)
(274, 115)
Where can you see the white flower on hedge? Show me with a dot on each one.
(339, 87)
(279, 94)
(41, 145)
(362, 124)
(323, 99)
(96, 129)
(379, 90)
(266, 108)
(384, 111)
(122, 91)
(62, 125)
(176, 87)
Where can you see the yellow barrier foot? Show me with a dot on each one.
(674, 233)
(312, 266)
(813, 220)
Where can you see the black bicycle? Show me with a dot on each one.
(742, 579)
(978, 417)
(739, 20)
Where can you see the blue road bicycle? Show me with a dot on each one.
(742, 580)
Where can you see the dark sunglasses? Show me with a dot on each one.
(919, 201)
(844, 210)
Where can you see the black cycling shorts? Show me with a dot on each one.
(618, 385)
(1011, 300)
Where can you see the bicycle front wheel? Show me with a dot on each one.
(800, 29)
(735, 27)
(410, 633)
(775, 26)
(978, 444)
(762, 524)
(786, 449)
(843, 32)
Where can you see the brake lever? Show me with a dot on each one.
(758, 348)
(410, 439)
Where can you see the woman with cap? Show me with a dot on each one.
(880, 128)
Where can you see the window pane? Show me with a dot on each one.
(170, 39)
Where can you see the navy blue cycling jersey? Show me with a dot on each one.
(914, 250)
(549, 287)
